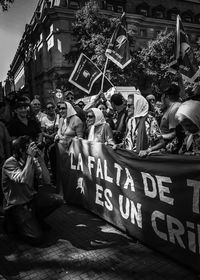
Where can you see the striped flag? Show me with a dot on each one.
(183, 59)
(118, 48)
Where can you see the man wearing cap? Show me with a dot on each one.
(21, 124)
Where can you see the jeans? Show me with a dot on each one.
(26, 220)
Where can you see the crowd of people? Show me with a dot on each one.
(28, 141)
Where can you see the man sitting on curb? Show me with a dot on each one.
(26, 202)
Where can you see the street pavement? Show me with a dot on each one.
(80, 245)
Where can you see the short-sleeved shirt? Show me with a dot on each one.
(16, 128)
(168, 121)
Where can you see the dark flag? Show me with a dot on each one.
(87, 76)
(118, 48)
(183, 59)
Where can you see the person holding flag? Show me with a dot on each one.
(183, 59)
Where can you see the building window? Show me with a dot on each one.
(143, 9)
(143, 32)
(73, 4)
(119, 9)
(193, 37)
(150, 32)
(110, 7)
(197, 18)
(104, 6)
(187, 16)
(198, 39)
(158, 12)
(172, 14)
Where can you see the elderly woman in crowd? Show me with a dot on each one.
(99, 129)
(142, 134)
(70, 125)
(36, 109)
(188, 115)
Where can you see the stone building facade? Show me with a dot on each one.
(39, 67)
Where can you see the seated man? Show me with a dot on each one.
(26, 203)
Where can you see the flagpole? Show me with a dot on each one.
(104, 73)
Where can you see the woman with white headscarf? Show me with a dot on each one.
(99, 129)
(143, 133)
(70, 125)
(188, 115)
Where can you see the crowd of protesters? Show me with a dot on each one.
(28, 141)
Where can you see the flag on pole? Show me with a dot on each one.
(118, 48)
(183, 59)
(86, 75)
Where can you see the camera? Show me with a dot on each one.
(40, 145)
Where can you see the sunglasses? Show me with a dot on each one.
(90, 116)
(69, 98)
(130, 105)
(62, 108)
(48, 108)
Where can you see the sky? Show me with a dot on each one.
(12, 26)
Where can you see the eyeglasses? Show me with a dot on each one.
(62, 108)
(90, 116)
(48, 108)
(69, 98)
(130, 105)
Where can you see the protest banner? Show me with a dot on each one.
(154, 199)
(183, 59)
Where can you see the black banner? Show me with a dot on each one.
(155, 199)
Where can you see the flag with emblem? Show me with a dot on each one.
(118, 49)
(87, 76)
(183, 59)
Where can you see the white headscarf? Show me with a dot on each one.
(141, 106)
(191, 110)
(99, 120)
(63, 122)
(70, 110)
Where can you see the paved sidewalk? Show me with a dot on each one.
(83, 246)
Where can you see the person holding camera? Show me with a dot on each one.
(26, 200)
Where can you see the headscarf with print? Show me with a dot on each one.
(137, 124)
(190, 109)
(63, 123)
(99, 120)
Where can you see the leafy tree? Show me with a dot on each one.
(92, 31)
(149, 66)
(5, 4)
(155, 59)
